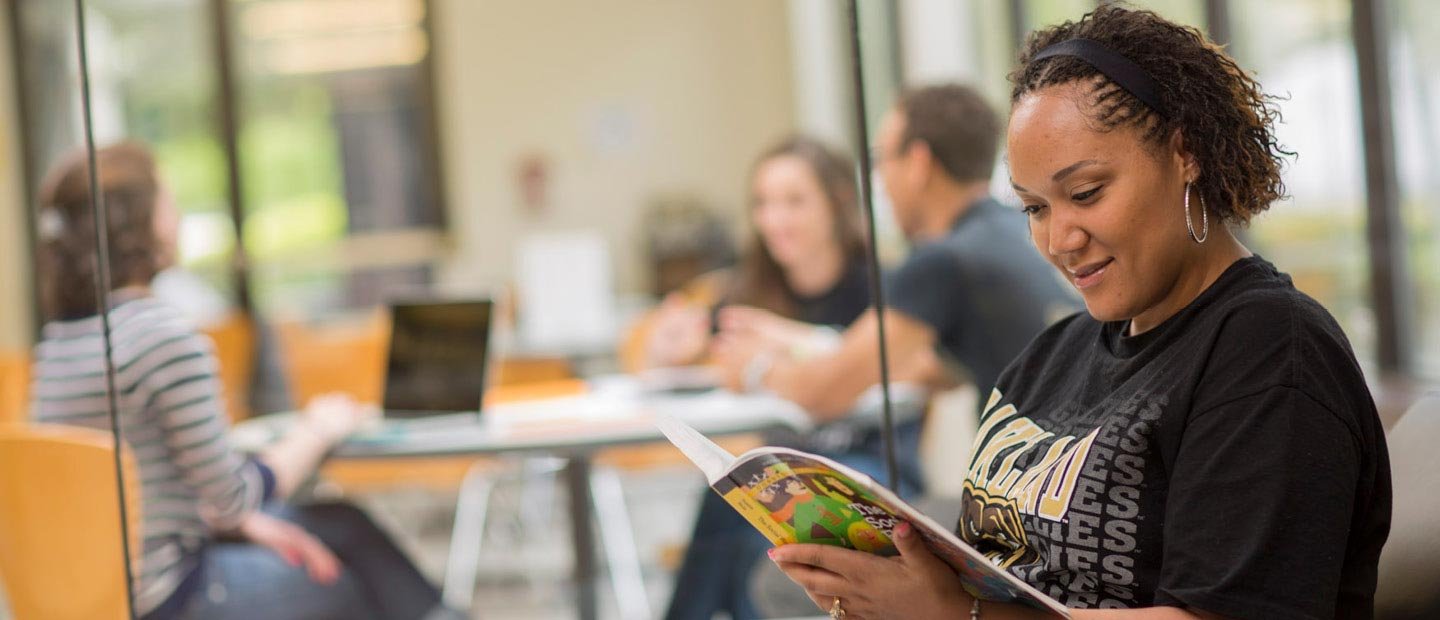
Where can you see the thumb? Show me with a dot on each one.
(913, 549)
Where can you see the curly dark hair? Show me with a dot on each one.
(1225, 119)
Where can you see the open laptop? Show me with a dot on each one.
(436, 369)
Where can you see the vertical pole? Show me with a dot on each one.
(1019, 24)
(1390, 281)
(877, 291)
(227, 99)
(1217, 22)
(102, 297)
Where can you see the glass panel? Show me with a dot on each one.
(1415, 52)
(1318, 236)
(159, 88)
(879, 53)
(996, 47)
(57, 458)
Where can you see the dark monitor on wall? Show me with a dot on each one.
(439, 354)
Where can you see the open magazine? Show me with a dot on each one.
(796, 497)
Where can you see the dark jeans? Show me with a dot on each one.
(715, 575)
(243, 581)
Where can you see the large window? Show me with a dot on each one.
(1318, 235)
(335, 148)
(1414, 54)
(152, 80)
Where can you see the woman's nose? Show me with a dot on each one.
(1066, 236)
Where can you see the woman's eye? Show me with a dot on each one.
(1085, 195)
(1032, 209)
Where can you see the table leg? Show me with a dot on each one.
(617, 538)
(465, 539)
(577, 479)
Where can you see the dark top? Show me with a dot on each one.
(837, 307)
(983, 288)
(842, 304)
(1229, 460)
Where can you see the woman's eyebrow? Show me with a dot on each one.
(1061, 173)
(1067, 170)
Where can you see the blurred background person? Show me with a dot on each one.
(805, 260)
(209, 551)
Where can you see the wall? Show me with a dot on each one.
(624, 99)
(15, 296)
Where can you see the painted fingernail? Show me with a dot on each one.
(903, 530)
(771, 553)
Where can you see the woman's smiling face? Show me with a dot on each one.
(1105, 207)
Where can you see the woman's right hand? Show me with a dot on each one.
(293, 544)
(333, 417)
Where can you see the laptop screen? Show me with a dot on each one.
(438, 354)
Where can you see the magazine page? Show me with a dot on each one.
(795, 497)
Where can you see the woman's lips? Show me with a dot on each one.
(1090, 275)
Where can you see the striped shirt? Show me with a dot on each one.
(172, 417)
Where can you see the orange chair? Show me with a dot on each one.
(14, 386)
(60, 552)
(234, 339)
(345, 356)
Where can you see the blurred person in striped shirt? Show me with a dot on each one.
(218, 541)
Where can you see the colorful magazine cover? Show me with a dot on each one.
(796, 497)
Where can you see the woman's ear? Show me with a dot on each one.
(1189, 166)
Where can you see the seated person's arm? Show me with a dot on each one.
(828, 386)
(325, 422)
(675, 334)
(922, 296)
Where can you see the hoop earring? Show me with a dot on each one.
(1204, 217)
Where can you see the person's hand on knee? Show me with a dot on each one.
(292, 543)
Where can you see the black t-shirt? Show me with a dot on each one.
(1230, 460)
(837, 307)
(983, 288)
(842, 304)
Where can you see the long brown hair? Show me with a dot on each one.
(65, 247)
(761, 281)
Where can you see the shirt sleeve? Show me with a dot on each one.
(184, 397)
(1259, 509)
(926, 288)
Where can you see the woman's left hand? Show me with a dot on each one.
(916, 584)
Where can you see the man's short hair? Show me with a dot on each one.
(961, 129)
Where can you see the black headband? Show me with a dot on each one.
(1119, 69)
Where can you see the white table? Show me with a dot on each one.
(614, 413)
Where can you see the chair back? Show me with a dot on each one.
(344, 356)
(61, 556)
(234, 339)
(1410, 562)
(14, 386)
